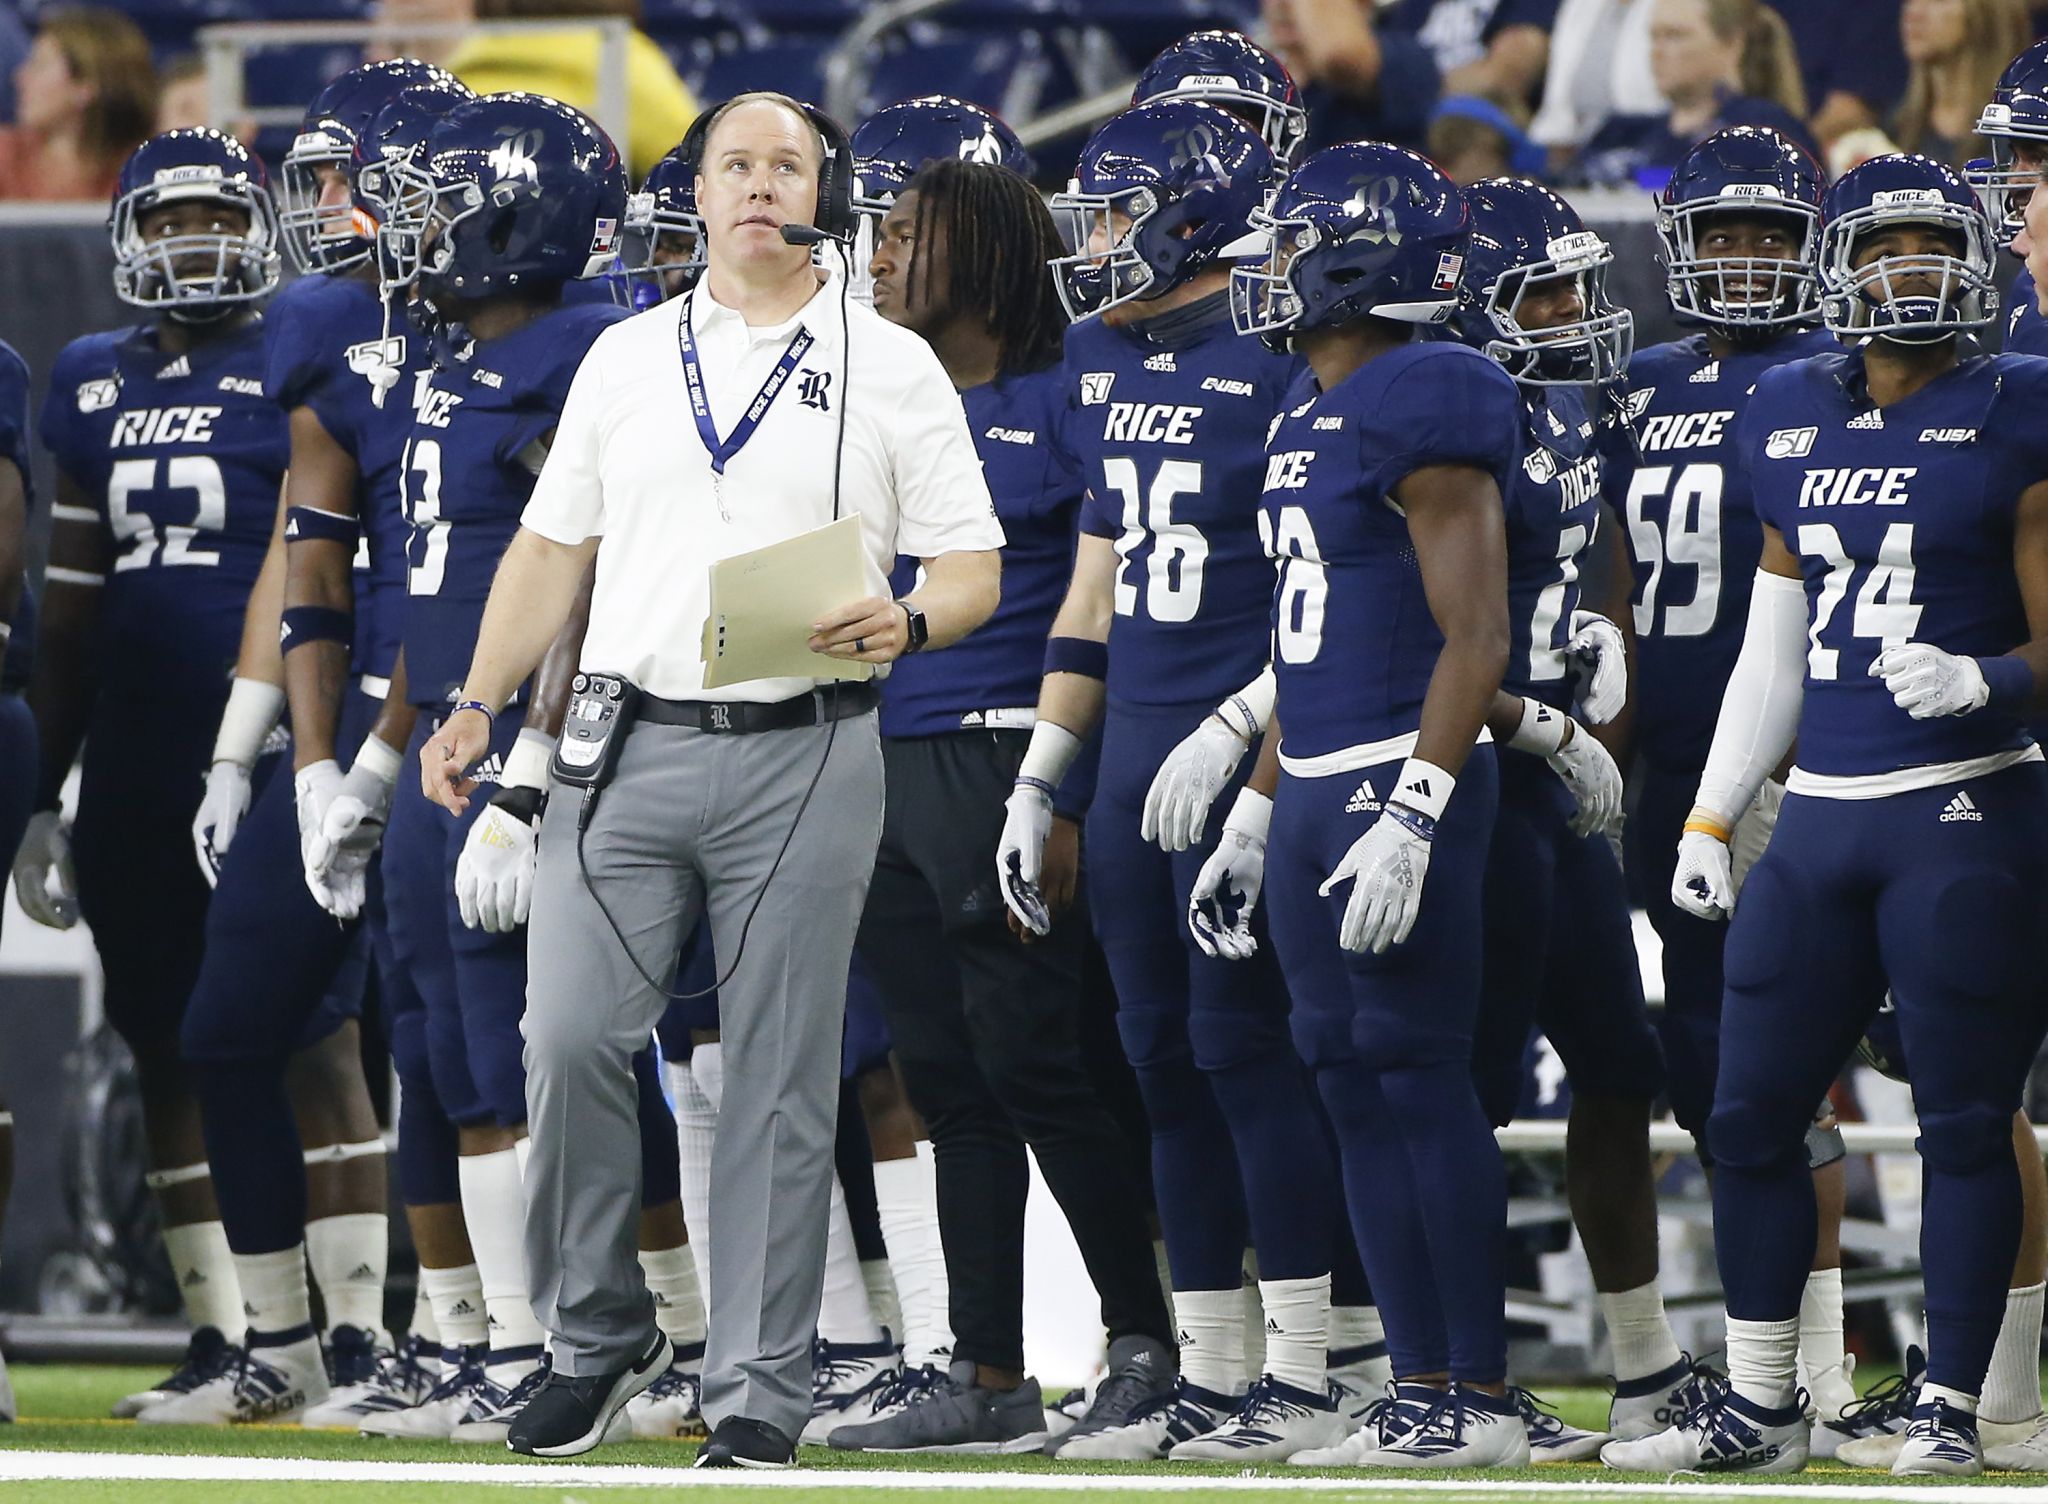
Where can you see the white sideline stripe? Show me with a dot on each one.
(30, 1466)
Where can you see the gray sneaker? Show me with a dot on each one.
(1141, 1371)
(948, 1412)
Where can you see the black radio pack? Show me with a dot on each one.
(600, 709)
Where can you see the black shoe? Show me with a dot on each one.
(739, 1442)
(569, 1416)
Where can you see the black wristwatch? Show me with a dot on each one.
(920, 629)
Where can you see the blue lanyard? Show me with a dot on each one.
(724, 449)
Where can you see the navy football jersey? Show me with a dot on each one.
(1553, 513)
(1902, 522)
(1354, 643)
(1170, 441)
(182, 457)
(2026, 332)
(1693, 541)
(324, 339)
(14, 420)
(477, 446)
(1037, 491)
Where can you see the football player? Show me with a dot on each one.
(1895, 628)
(2015, 123)
(1383, 506)
(1230, 70)
(1560, 949)
(985, 1028)
(1739, 226)
(17, 653)
(490, 235)
(664, 241)
(169, 459)
(1164, 616)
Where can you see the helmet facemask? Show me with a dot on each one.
(1592, 348)
(1881, 300)
(1744, 297)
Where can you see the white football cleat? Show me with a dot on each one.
(205, 1356)
(1382, 1421)
(8, 1409)
(269, 1382)
(847, 1379)
(672, 1404)
(357, 1360)
(1426, 1427)
(1643, 1407)
(487, 1419)
(1273, 1422)
(1364, 1375)
(1870, 1432)
(1941, 1441)
(1551, 1438)
(2026, 1454)
(434, 1417)
(1153, 1429)
(1723, 1434)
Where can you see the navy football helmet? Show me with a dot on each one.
(1358, 230)
(665, 206)
(2018, 112)
(397, 132)
(1527, 240)
(896, 140)
(1749, 172)
(325, 239)
(1908, 299)
(511, 193)
(1159, 191)
(197, 276)
(1229, 69)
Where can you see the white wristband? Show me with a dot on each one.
(379, 759)
(1052, 751)
(526, 765)
(1252, 815)
(1424, 787)
(1542, 730)
(1250, 710)
(252, 709)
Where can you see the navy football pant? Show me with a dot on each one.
(1690, 1023)
(1948, 902)
(427, 1140)
(1560, 952)
(1390, 1040)
(19, 757)
(1207, 1038)
(279, 974)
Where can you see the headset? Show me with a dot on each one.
(836, 218)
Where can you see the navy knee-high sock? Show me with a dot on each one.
(1386, 1218)
(1195, 1177)
(252, 1146)
(427, 1146)
(1970, 1234)
(1290, 1177)
(661, 1154)
(1463, 1192)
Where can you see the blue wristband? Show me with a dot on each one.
(1414, 821)
(1077, 655)
(2010, 681)
(310, 524)
(303, 624)
(477, 705)
(1024, 781)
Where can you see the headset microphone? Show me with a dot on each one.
(804, 235)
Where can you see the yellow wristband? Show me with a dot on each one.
(1705, 822)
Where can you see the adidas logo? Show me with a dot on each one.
(1363, 800)
(1182, 1339)
(1872, 419)
(1163, 361)
(1962, 807)
(661, 1301)
(248, 1310)
(1419, 788)
(462, 1307)
(1273, 1328)
(490, 770)
(193, 1280)
(1707, 374)
(182, 366)
(362, 1271)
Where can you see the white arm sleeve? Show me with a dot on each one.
(1760, 711)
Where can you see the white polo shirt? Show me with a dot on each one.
(627, 466)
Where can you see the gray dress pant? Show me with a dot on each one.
(690, 825)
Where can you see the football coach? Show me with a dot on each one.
(757, 408)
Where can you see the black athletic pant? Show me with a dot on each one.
(985, 1032)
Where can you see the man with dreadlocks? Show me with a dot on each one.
(985, 1024)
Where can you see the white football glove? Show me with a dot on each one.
(1386, 867)
(494, 874)
(1703, 883)
(1227, 889)
(1020, 855)
(1599, 664)
(220, 816)
(44, 885)
(1187, 783)
(1927, 682)
(1589, 772)
(1752, 833)
(337, 853)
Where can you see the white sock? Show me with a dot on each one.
(1297, 1329)
(843, 1314)
(1210, 1331)
(424, 1326)
(707, 1064)
(494, 1208)
(348, 1254)
(696, 1133)
(1763, 1361)
(1956, 1399)
(1824, 1366)
(1638, 1332)
(907, 1201)
(205, 1269)
(2012, 1387)
(1356, 1327)
(522, 1151)
(275, 1297)
(678, 1307)
(882, 1301)
(458, 1299)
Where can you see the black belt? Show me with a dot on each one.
(736, 716)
